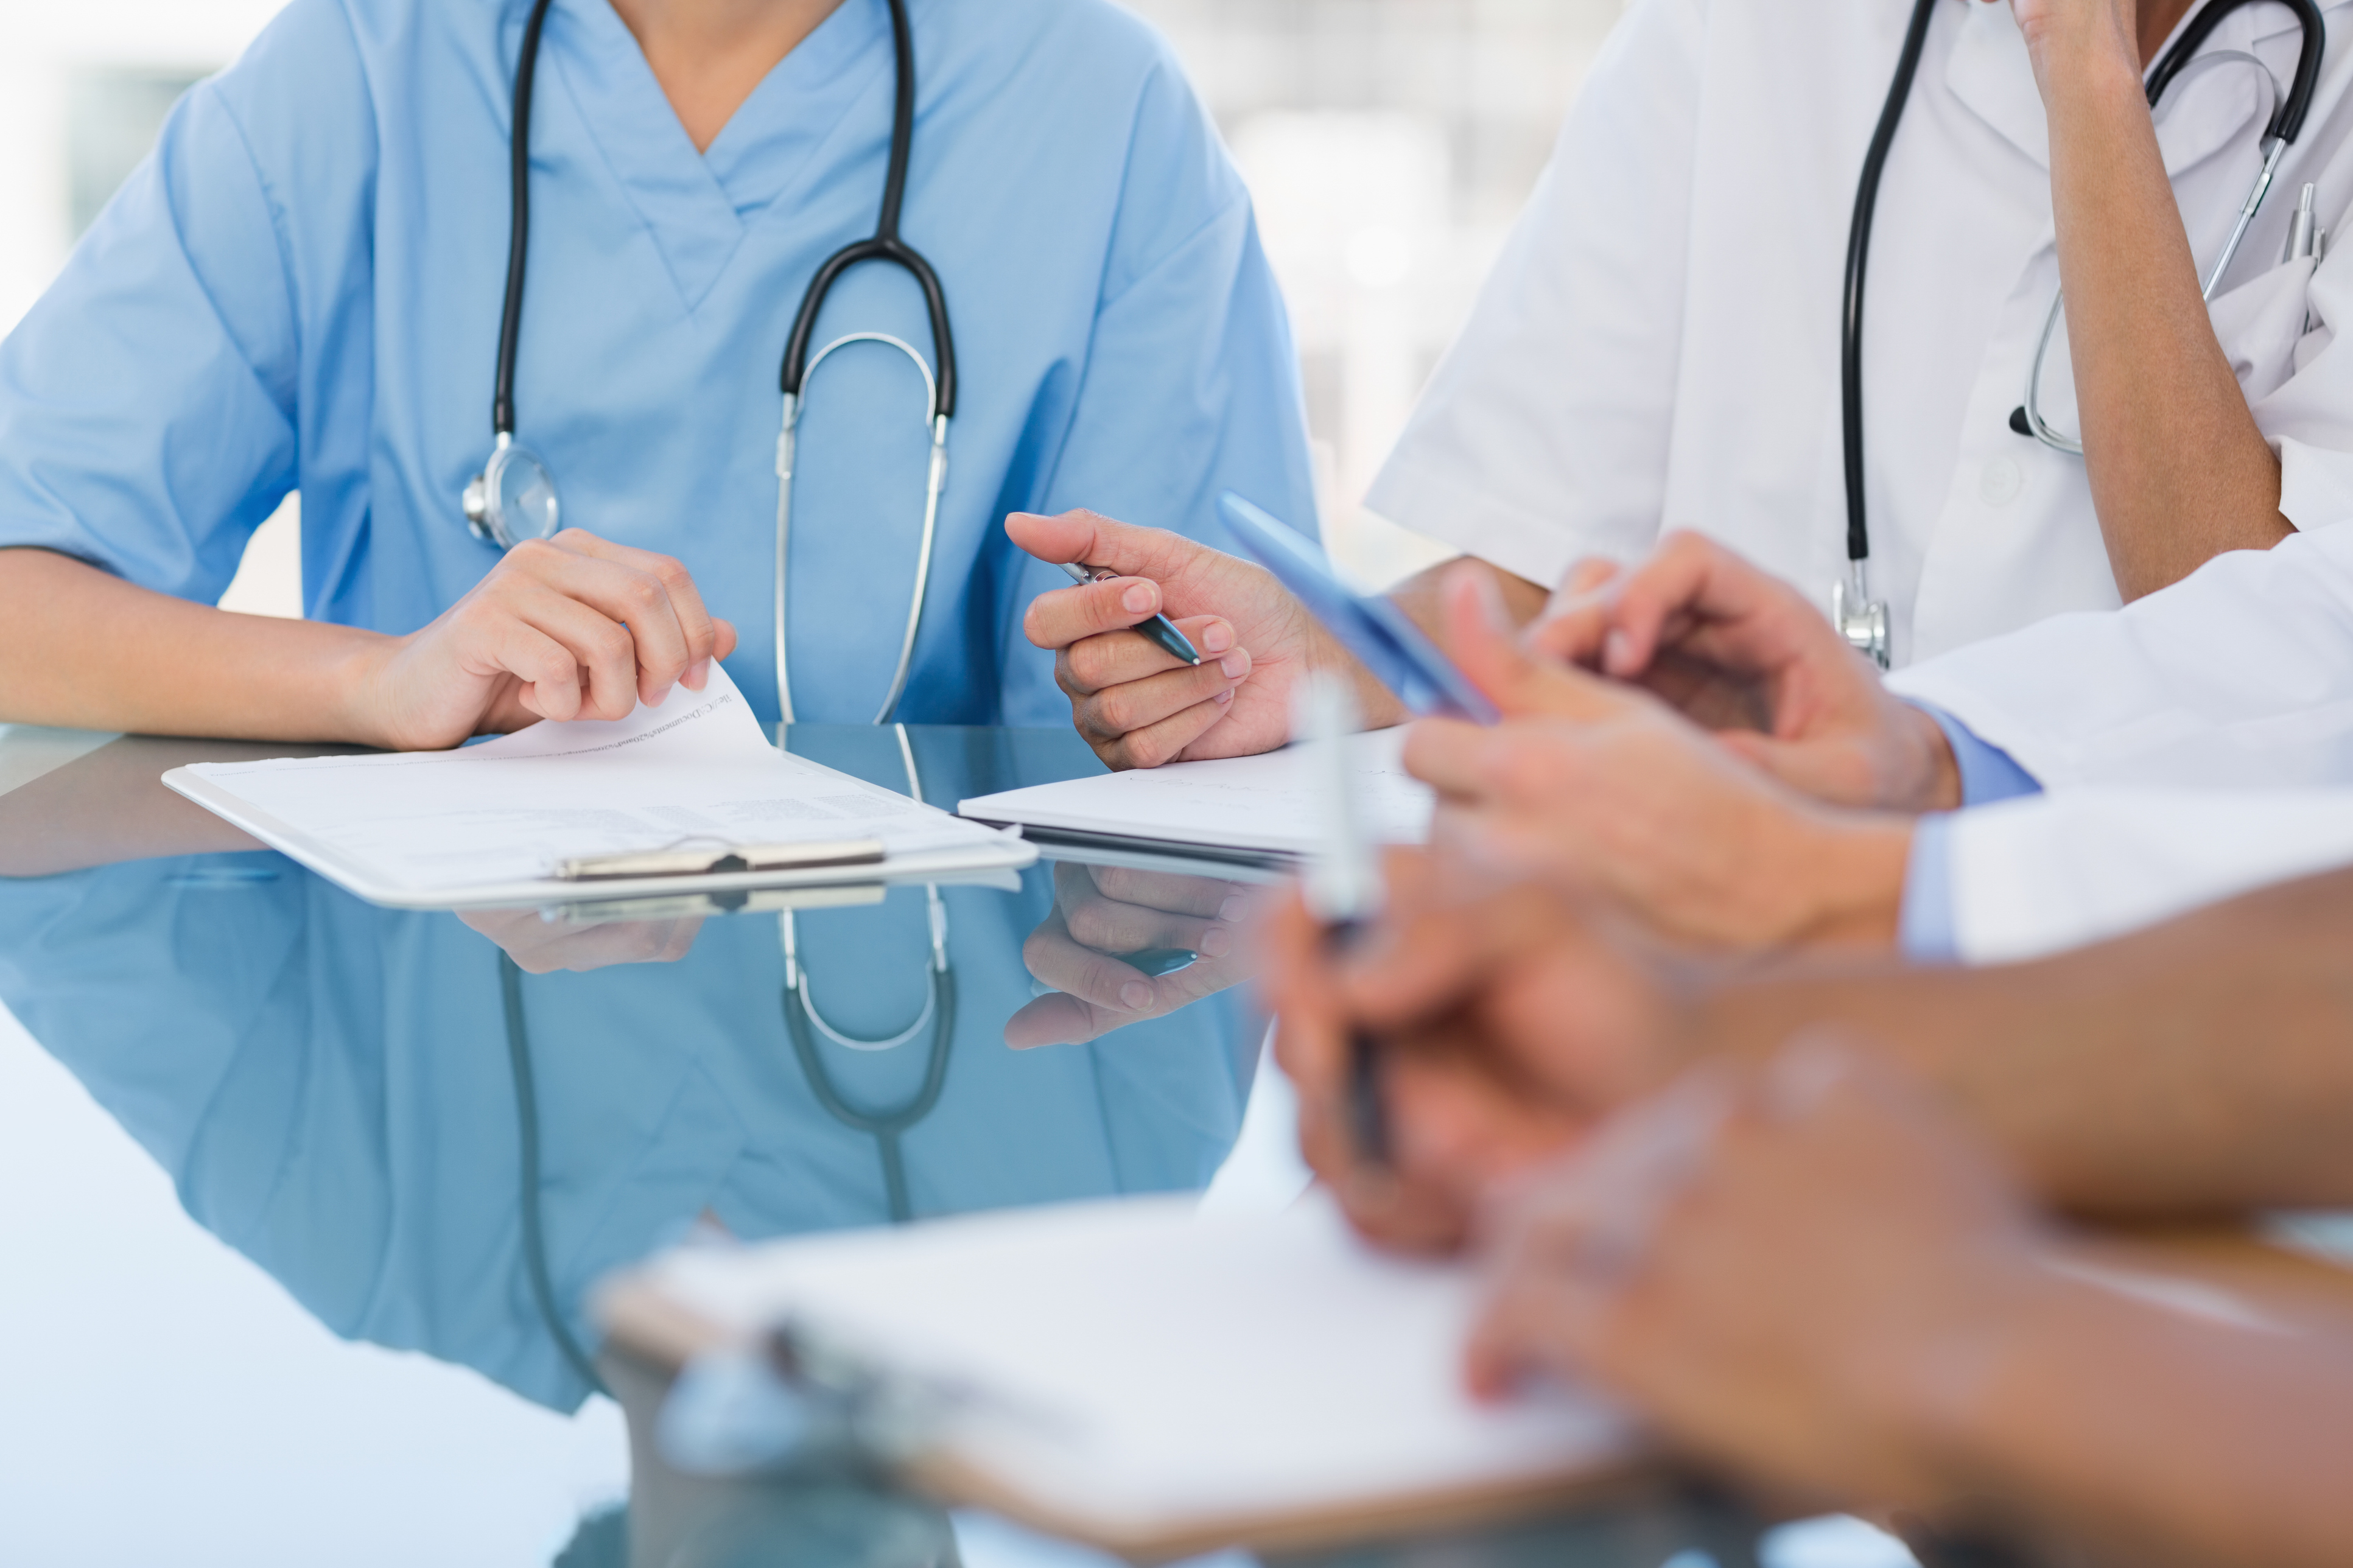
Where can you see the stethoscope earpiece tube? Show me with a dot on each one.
(2288, 114)
(502, 418)
(517, 488)
(1863, 620)
(1858, 265)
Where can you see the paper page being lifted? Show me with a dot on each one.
(1264, 802)
(487, 824)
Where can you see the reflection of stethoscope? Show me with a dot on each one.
(513, 498)
(1861, 620)
(803, 1023)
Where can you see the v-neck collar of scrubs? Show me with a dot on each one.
(698, 206)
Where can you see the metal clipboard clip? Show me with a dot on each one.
(715, 859)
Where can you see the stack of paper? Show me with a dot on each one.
(1154, 1380)
(1267, 802)
(489, 824)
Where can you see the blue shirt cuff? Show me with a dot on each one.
(1926, 932)
(1988, 773)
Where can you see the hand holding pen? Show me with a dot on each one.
(1161, 631)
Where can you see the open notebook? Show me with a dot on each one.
(1267, 803)
(490, 824)
(1152, 1380)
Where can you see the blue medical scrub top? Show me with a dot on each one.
(301, 288)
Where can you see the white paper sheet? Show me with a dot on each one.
(413, 825)
(1141, 1365)
(1267, 802)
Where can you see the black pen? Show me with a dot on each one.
(1159, 629)
(1344, 888)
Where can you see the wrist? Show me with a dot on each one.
(1927, 776)
(1948, 1402)
(2086, 55)
(1844, 880)
(354, 681)
(1977, 1397)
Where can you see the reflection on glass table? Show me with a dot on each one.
(435, 1134)
(1123, 945)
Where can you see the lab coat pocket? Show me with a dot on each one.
(2260, 323)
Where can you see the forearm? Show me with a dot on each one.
(84, 649)
(1417, 595)
(2145, 1434)
(2201, 1067)
(2179, 469)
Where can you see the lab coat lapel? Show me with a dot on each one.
(1989, 73)
(2210, 111)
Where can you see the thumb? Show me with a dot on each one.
(1482, 640)
(1090, 539)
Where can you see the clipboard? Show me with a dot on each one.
(657, 1315)
(1008, 852)
(1158, 1317)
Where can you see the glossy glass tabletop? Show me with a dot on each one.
(301, 1199)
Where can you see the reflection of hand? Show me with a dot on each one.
(1134, 704)
(569, 627)
(1509, 1022)
(1794, 1270)
(542, 947)
(1601, 785)
(1102, 912)
(1743, 653)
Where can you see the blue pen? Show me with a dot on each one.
(1159, 629)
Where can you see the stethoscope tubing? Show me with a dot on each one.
(798, 366)
(2289, 110)
(803, 1022)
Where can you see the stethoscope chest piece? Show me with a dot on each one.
(1859, 619)
(512, 498)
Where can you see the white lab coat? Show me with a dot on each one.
(1658, 345)
(2044, 873)
(2237, 676)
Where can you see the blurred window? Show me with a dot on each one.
(111, 119)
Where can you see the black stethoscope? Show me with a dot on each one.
(1861, 620)
(515, 497)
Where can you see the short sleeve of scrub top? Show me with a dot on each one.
(301, 288)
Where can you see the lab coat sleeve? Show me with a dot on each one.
(147, 401)
(2239, 676)
(1190, 383)
(2037, 876)
(1543, 435)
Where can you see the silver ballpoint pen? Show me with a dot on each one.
(1159, 629)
